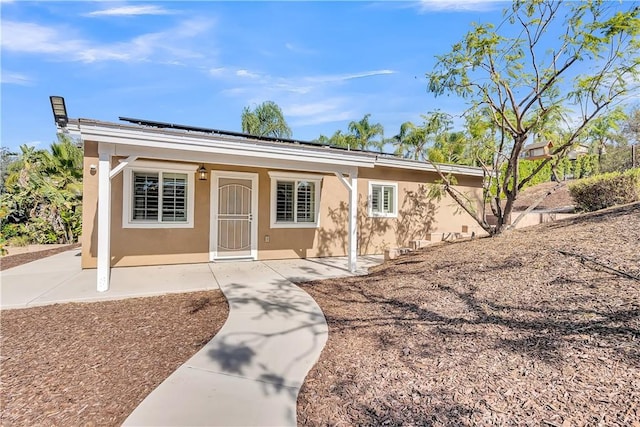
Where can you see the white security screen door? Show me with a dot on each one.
(234, 222)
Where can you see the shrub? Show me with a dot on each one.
(19, 241)
(603, 191)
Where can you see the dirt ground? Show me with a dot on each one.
(560, 198)
(93, 363)
(502, 331)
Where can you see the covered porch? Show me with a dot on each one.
(120, 147)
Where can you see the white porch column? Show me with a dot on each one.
(105, 152)
(353, 222)
(352, 186)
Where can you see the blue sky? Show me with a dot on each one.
(200, 63)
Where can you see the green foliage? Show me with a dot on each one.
(606, 190)
(42, 198)
(265, 119)
(6, 158)
(413, 141)
(338, 139)
(619, 158)
(19, 241)
(528, 166)
(364, 133)
(516, 76)
(631, 126)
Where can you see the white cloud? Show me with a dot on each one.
(34, 38)
(460, 5)
(62, 44)
(15, 78)
(132, 11)
(298, 85)
(216, 72)
(308, 100)
(247, 73)
(342, 77)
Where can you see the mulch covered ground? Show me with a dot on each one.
(503, 331)
(93, 363)
(559, 198)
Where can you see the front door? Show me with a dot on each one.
(234, 215)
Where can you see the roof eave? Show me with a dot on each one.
(141, 137)
(428, 167)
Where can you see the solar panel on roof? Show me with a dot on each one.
(165, 125)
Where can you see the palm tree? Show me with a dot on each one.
(364, 133)
(411, 141)
(265, 119)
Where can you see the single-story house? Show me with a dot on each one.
(160, 193)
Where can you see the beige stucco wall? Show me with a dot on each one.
(417, 216)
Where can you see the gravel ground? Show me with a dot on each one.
(93, 363)
(503, 331)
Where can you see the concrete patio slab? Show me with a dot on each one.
(19, 290)
(68, 261)
(304, 270)
(60, 279)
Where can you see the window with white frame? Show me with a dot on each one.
(295, 200)
(383, 199)
(158, 195)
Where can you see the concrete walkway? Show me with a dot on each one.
(250, 373)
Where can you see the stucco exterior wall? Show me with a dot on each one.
(417, 216)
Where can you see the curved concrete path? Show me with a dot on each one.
(250, 373)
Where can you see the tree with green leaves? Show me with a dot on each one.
(603, 133)
(6, 158)
(631, 126)
(413, 141)
(42, 198)
(549, 63)
(364, 134)
(631, 130)
(265, 119)
(338, 139)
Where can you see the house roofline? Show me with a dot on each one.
(397, 162)
(228, 144)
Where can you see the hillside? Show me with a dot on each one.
(537, 327)
(559, 199)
